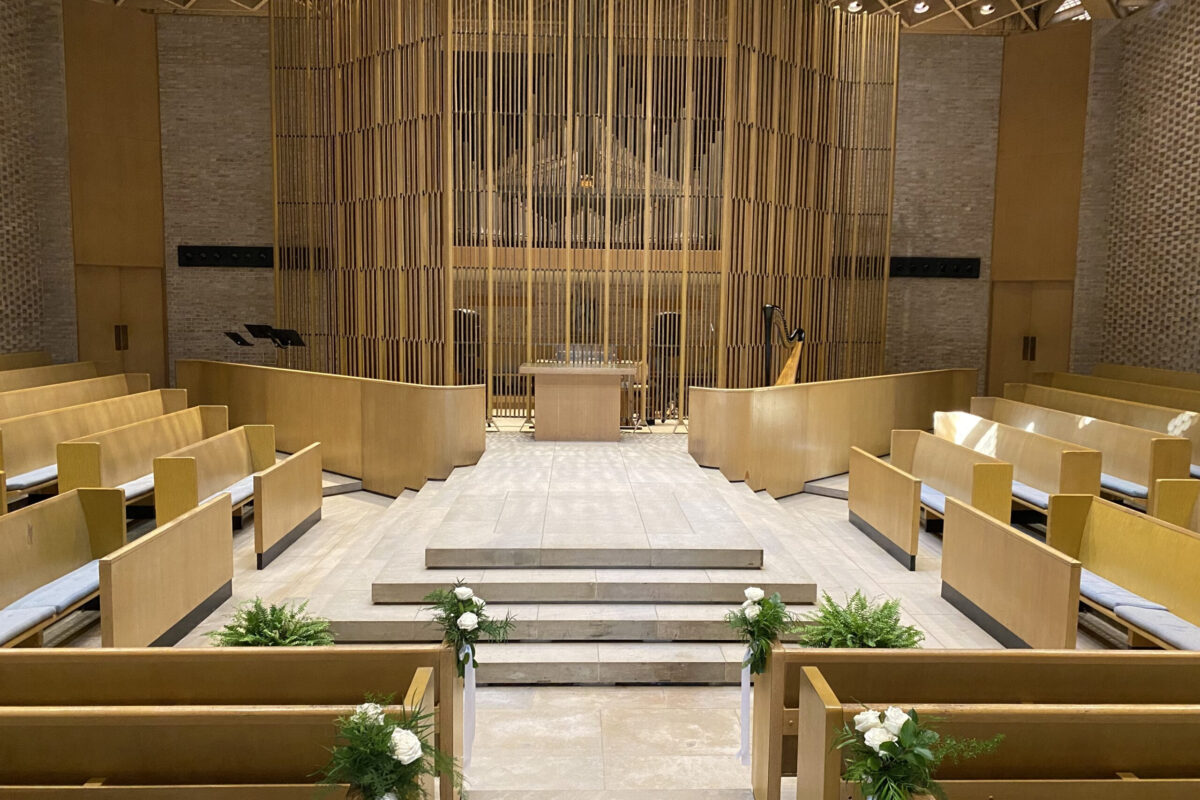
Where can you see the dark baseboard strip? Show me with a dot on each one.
(983, 619)
(195, 616)
(891, 548)
(274, 550)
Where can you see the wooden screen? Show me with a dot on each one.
(466, 185)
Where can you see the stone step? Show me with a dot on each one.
(547, 623)
(610, 663)
(595, 585)
(667, 551)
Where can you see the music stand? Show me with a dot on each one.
(238, 339)
(286, 337)
(261, 331)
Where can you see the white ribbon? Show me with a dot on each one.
(744, 753)
(468, 703)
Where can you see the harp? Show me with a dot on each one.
(777, 331)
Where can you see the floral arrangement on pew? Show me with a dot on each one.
(464, 620)
(858, 624)
(892, 755)
(760, 623)
(257, 625)
(386, 757)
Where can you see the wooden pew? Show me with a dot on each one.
(123, 458)
(158, 587)
(13, 379)
(886, 500)
(36, 399)
(28, 445)
(1161, 377)
(1155, 561)
(34, 358)
(47, 552)
(1042, 466)
(1134, 459)
(1022, 592)
(286, 495)
(235, 676)
(1171, 421)
(915, 677)
(1148, 393)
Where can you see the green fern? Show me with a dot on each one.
(285, 625)
(858, 624)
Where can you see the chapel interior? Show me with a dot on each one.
(548, 380)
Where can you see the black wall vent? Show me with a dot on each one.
(923, 267)
(206, 255)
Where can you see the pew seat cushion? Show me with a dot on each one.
(932, 498)
(1173, 630)
(1108, 594)
(238, 492)
(62, 593)
(35, 477)
(138, 486)
(1195, 470)
(1035, 497)
(1122, 486)
(15, 621)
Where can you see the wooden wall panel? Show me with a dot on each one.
(465, 186)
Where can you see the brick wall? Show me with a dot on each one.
(949, 111)
(37, 304)
(214, 90)
(1152, 308)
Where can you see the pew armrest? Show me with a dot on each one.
(158, 587)
(1065, 521)
(1079, 472)
(991, 489)
(79, 466)
(287, 501)
(1022, 592)
(819, 720)
(176, 487)
(1173, 500)
(885, 503)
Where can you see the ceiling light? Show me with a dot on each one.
(987, 9)
(921, 7)
(854, 7)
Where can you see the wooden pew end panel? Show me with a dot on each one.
(287, 501)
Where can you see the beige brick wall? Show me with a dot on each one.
(948, 120)
(214, 90)
(1152, 309)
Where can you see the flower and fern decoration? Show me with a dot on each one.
(760, 623)
(386, 756)
(464, 620)
(858, 624)
(256, 624)
(893, 755)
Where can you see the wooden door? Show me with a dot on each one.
(122, 324)
(1030, 331)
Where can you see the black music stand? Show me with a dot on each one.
(238, 339)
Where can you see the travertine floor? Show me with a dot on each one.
(615, 743)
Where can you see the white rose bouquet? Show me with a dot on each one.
(464, 620)
(760, 622)
(384, 756)
(892, 755)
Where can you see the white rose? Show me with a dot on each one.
(468, 622)
(866, 721)
(406, 747)
(390, 796)
(754, 594)
(479, 602)
(894, 719)
(752, 612)
(463, 592)
(875, 738)
(370, 711)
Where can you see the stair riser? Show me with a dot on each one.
(560, 673)
(588, 592)
(611, 558)
(358, 632)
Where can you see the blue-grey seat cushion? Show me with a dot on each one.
(35, 477)
(1110, 595)
(66, 591)
(138, 486)
(1173, 630)
(1122, 486)
(242, 490)
(1195, 470)
(15, 621)
(1035, 497)
(933, 498)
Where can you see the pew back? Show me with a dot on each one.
(955, 470)
(123, 454)
(1161, 377)
(44, 541)
(30, 442)
(184, 477)
(1151, 394)
(36, 399)
(33, 358)
(1048, 464)
(42, 376)
(1132, 454)
(1147, 556)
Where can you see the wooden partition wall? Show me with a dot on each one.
(392, 435)
(778, 438)
(464, 186)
